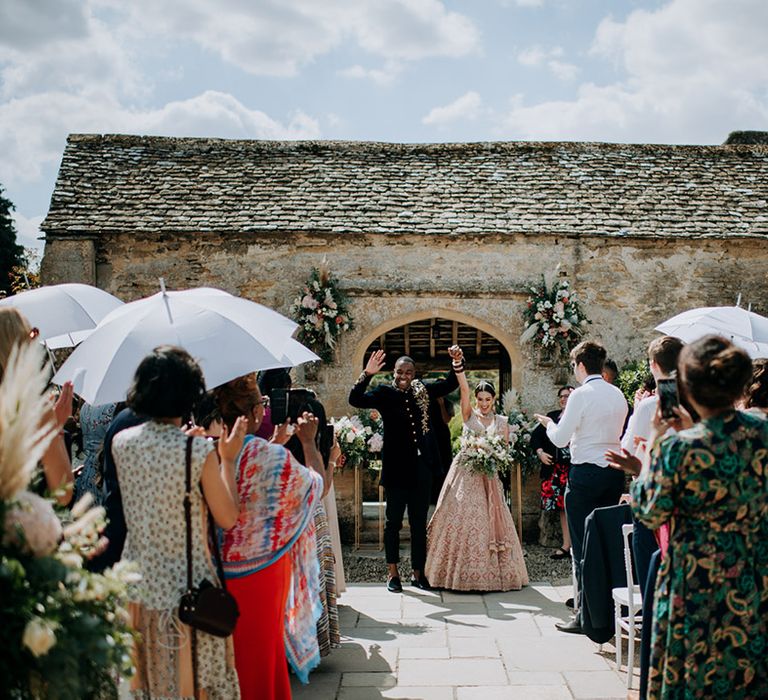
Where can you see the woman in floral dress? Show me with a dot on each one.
(151, 467)
(472, 543)
(710, 634)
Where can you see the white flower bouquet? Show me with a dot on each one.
(485, 454)
(361, 437)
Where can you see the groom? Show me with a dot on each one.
(409, 453)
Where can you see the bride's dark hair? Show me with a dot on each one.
(485, 385)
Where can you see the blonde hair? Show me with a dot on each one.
(14, 330)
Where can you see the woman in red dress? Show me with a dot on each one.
(555, 464)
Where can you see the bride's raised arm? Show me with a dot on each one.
(457, 357)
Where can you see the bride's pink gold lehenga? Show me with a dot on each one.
(472, 543)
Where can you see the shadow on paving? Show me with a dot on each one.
(440, 645)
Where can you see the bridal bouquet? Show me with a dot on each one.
(361, 437)
(485, 454)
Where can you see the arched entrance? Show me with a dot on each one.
(425, 336)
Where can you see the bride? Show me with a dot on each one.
(472, 540)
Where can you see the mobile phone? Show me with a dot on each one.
(278, 406)
(669, 398)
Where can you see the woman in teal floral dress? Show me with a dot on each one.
(710, 634)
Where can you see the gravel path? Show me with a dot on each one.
(369, 567)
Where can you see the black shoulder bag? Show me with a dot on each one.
(205, 607)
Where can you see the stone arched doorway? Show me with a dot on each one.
(426, 335)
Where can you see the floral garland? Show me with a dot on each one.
(421, 395)
(553, 318)
(322, 312)
(360, 437)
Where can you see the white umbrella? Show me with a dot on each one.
(745, 328)
(227, 335)
(63, 309)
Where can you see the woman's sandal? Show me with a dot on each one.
(560, 554)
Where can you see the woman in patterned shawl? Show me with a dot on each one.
(710, 633)
(270, 555)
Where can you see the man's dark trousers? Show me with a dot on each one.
(589, 487)
(416, 498)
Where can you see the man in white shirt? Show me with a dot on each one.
(662, 361)
(592, 423)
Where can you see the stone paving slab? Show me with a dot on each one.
(460, 646)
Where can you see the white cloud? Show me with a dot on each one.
(93, 59)
(380, 76)
(695, 70)
(467, 107)
(278, 37)
(536, 56)
(33, 24)
(523, 3)
(28, 230)
(33, 130)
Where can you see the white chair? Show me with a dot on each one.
(628, 597)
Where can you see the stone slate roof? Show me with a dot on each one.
(156, 184)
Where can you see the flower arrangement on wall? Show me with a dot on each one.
(322, 311)
(554, 320)
(64, 631)
(361, 437)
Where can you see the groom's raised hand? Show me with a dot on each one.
(375, 363)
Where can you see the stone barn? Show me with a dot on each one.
(432, 242)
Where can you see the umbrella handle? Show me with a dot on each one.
(51, 358)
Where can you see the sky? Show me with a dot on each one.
(643, 71)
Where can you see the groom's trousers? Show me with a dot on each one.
(416, 498)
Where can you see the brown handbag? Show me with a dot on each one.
(205, 607)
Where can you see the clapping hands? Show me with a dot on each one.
(231, 442)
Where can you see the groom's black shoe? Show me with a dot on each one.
(394, 585)
(573, 626)
(422, 583)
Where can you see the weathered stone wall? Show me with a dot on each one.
(628, 286)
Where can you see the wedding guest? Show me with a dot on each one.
(271, 379)
(151, 468)
(711, 483)
(555, 465)
(55, 476)
(94, 423)
(328, 630)
(663, 354)
(610, 371)
(115, 530)
(756, 394)
(592, 423)
(270, 555)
